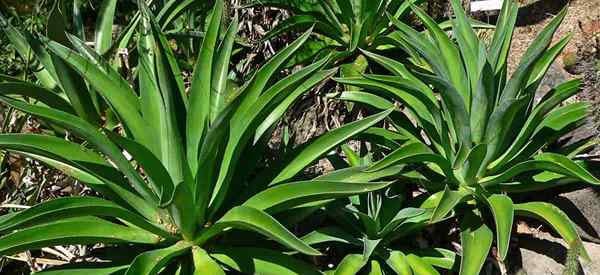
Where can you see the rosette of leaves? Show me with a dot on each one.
(475, 135)
(340, 26)
(184, 187)
(376, 233)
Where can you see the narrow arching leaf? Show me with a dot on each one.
(84, 230)
(399, 263)
(288, 195)
(91, 270)
(99, 141)
(204, 264)
(325, 143)
(248, 218)
(448, 201)
(104, 25)
(62, 208)
(476, 240)
(151, 262)
(419, 266)
(200, 91)
(503, 211)
(351, 264)
(251, 260)
(43, 95)
(553, 216)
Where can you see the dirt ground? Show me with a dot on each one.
(583, 20)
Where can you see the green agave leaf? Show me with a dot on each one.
(80, 163)
(533, 53)
(398, 262)
(248, 218)
(96, 271)
(110, 85)
(503, 210)
(419, 266)
(476, 240)
(375, 268)
(19, 41)
(247, 109)
(277, 112)
(285, 196)
(410, 153)
(547, 162)
(447, 202)
(401, 216)
(82, 230)
(501, 41)
(153, 168)
(454, 69)
(204, 264)
(359, 174)
(536, 118)
(437, 257)
(84, 129)
(200, 91)
(76, 207)
(169, 81)
(172, 10)
(325, 143)
(553, 216)
(251, 260)
(104, 25)
(351, 264)
(330, 234)
(151, 262)
(70, 82)
(541, 66)
(367, 98)
(39, 93)
(219, 91)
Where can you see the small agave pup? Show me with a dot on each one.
(193, 188)
(476, 135)
(376, 231)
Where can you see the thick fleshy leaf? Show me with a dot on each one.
(325, 143)
(350, 265)
(151, 262)
(200, 91)
(419, 266)
(117, 92)
(250, 260)
(247, 218)
(476, 240)
(553, 216)
(503, 211)
(84, 230)
(69, 207)
(410, 153)
(288, 195)
(449, 199)
(330, 234)
(117, 270)
(546, 162)
(399, 263)
(104, 25)
(43, 95)
(92, 135)
(204, 264)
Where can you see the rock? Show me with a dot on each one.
(582, 206)
(544, 254)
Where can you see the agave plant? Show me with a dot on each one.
(476, 135)
(376, 231)
(181, 178)
(341, 26)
